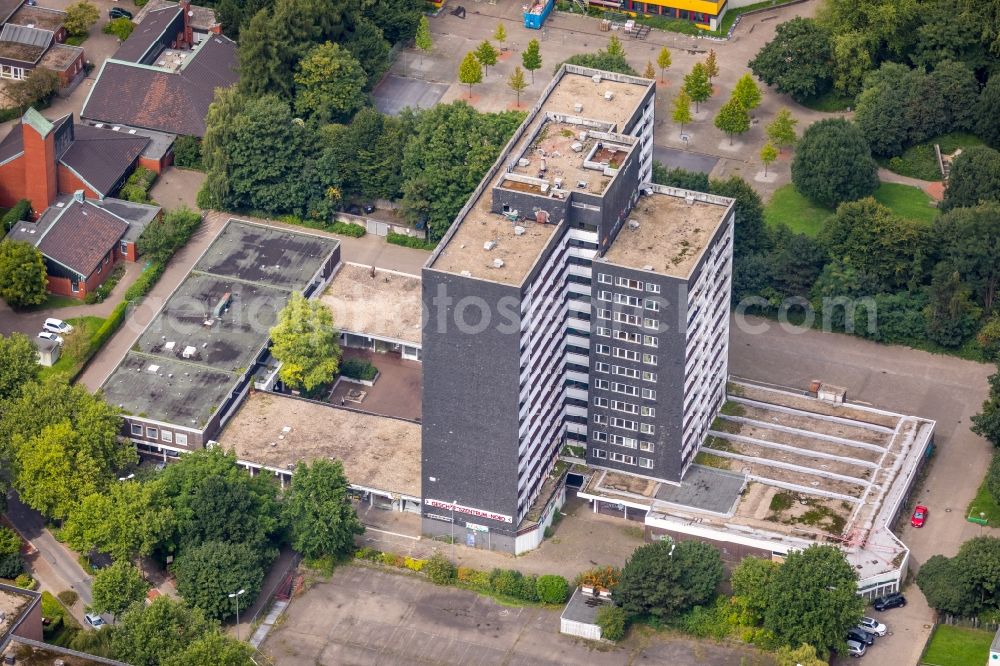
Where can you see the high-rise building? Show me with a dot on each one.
(571, 302)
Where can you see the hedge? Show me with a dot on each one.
(410, 241)
(358, 368)
(106, 330)
(144, 283)
(16, 214)
(103, 291)
(552, 589)
(348, 229)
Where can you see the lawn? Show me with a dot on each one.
(958, 646)
(829, 102)
(74, 348)
(52, 302)
(984, 503)
(805, 217)
(920, 161)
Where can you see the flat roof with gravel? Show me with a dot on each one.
(705, 488)
(276, 432)
(12, 604)
(583, 607)
(387, 305)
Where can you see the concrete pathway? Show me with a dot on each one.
(286, 562)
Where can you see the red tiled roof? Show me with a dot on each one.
(82, 236)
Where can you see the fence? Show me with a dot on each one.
(281, 589)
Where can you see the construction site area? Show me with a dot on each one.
(781, 470)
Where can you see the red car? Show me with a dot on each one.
(919, 516)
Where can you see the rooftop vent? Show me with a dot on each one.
(189, 352)
(542, 216)
(489, 245)
(689, 199)
(222, 305)
(578, 107)
(466, 273)
(596, 78)
(498, 263)
(153, 368)
(633, 224)
(169, 346)
(523, 162)
(581, 184)
(583, 135)
(609, 95)
(577, 147)
(648, 267)
(558, 182)
(518, 230)
(60, 204)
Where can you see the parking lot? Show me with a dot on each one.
(367, 616)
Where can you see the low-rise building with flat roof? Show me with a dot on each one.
(20, 614)
(194, 364)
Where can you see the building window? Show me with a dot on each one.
(604, 314)
(603, 332)
(627, 354)
(630, 284)
(625, 336)
(182, 439)
(647, 429)
(652, 288)
(646, 463)
(152, 433)
(604, 278)
(651, 324)
(627, 442)
(646, 446)
(124, 247)
(627, 318)
(600, 419)
(107, 258)
(599, 436)
(626, 372)
(648, 376)
(624, 424)
(626, 407)
(649, 411)
(604, 296)
(137, 429)
(601, 367)
(652, 305)
(98, 269)
(602, 349)
(649, 359)
(622, 299)
(649, 394)
(600, 402)
(166, 436)
(627, 389)
(598, 453)
(649, 340)
(74, 285)
(622, 458)
(601, 383)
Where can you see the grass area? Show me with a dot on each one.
(830, 102)
(984, 503)
(74, 348)
(907, 201)
(53, 301)
(805, 217)
(920, 161)
(958, 646)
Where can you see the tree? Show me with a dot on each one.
(987, 422)
(615, 47)
(117, 588)
(80, 17)
(612, 621)
(697, 85)
(317, 510)
(969, 238)
(125, 522)
(531, 58)
(877, 242)
(470, 71)
(899, 106)
(399, 20)
(988, 122)
(951, 316)
(679, 177)
(751, 232)
(937, 579)
(959, 92)
(150, 635)
(329, 84)
(712, 65)
(650, 73)
(305, 343)
(38, 88)
(274, 42)
(11, 564)
(214, 648)
(369, 47)
(17, 364)
(665, 578)
(781, 130)
(974, 178)
(209, 572)
(813, 599)
(22, 274)
(119, 27)
(517, 83)
(663, 61)
(50, 477)
(486, 55)
(852, 59)
(601, 60)
(733, 118)
(552, 589)
(804, 655)
(423, 39)
(750, 581)
(833, 164)
(682, 108)
(797, 60)
(167, 234)
(500, 34)
(767, 155)
(992, 480)
(746, 93)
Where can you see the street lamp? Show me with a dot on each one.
(236, 596)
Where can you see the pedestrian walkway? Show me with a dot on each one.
(933, 188)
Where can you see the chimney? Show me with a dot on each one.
(78, 196)
(39, 160)
(188, 30)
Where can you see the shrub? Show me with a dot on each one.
(506, 582)
(102, 292)
(413, 564)
(474, 579)
(145, 281)
(367, 553)
(16, 214)
(528, 589)
(410, 241)
(348, 229)
(136, 188)
(119, 27)
(187, 152)
(68, 598)
(993, 477)
(358, 368)
(24, 581)
(606, 577)
(11, 564)
(439, 569)
(552, 589)
(391, 559)
(611, 620)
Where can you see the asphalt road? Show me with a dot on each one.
(673, 158)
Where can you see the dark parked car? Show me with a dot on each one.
(354, 210)
(894, 600)
(369, 208)
(118, 12)
(860, 635)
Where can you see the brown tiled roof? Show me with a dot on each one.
(174, 102)
(101, 157)
(81, 237)
(146, 34)
(7, 8)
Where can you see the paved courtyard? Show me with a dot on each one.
(396, 391)
(366, 616)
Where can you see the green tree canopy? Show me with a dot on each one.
(329, 84)
(797, 60)
(22, 274)
(487, 55)
(781, 130)
(804, 655)
(214, 648)
(399, 20)
(833, 164)
(423, 39)
(813, 599)
(663, 61)
(768, 153)
(605, 60)
(974, 178)
(987, 121)
(682, 108)
(936, 579)
(697, 85)
(150, 635)
(951, 315)
(117, 587)
(305, 343)
(987, 422)
(969, 238)
(712, 64)
(531, 58)
(369, 47)
(750, 233)
(470, 70)
(207, 573)
(751, 580)
(318, 512)
(18, 365)
(733, 118)
(123, 522)
(665, 578)
(517, 83)
(165, 235)
(11, 564)
(746, 93)
(80, 16)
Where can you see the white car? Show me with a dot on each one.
(46, 335)
(872, 626)
(94, 620)
(54, 325)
